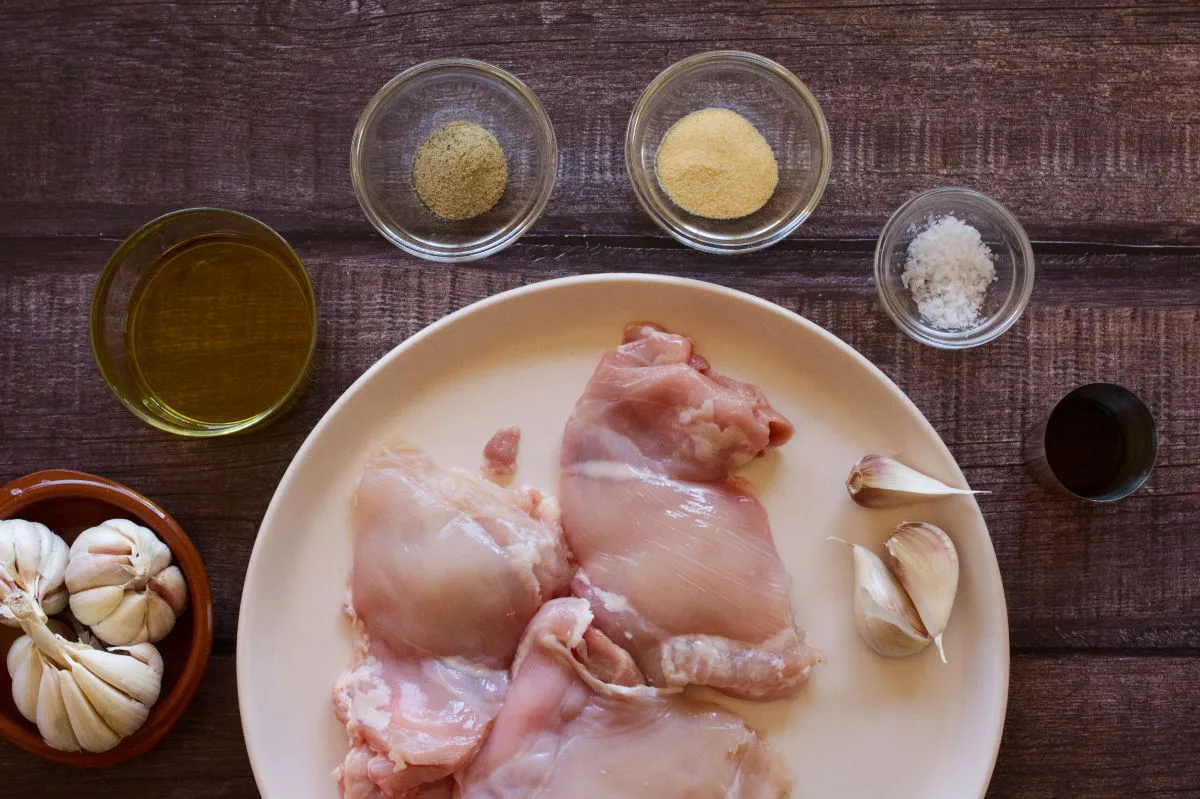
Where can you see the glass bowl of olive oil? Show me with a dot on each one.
(204, 323)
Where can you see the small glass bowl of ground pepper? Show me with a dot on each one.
(727, 151)
(453, 159)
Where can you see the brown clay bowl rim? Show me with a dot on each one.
(63, 483)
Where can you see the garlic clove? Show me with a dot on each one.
(109, 538)
(17, 653)
(885, 616)
(160, 618)
(56, 601)
(93, 605)
(52, 720)
(27, 551)
(926, 563)
(146, 653)
(126, 624)
(124, 670)
(154, 553)
(120, 713)
(52, 565)
(41, 557)
(8, 556)
(89, 728)
(88, 570)
(881, 482)
(170, 585)
(25, 667)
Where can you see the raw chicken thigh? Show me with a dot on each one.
(577, 725)
(676, 555)
(447, 571)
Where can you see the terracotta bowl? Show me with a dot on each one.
(68, 503)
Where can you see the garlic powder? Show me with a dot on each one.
(948, 271)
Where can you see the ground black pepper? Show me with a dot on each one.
(460, 171)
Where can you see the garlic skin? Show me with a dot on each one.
(122, 583)
(881, 482)
(925, 561)
(79, 697)
(885, 616)
(34, 560)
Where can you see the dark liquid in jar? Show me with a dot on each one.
(1085, 446)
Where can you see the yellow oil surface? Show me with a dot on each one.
(219, 330)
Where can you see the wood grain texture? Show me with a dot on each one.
(1085, 120)
(1078, 726)
(1076, 575)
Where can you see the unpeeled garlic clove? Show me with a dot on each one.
(89, 728)
(885, 616)
(121, 713)
(52, 720)
(142, 684)
(170, 586)
(877, 481)
(25, 667)
(125, 624)
(96, 603)
(925, 561)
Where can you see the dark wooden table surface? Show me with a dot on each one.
(1085, 121)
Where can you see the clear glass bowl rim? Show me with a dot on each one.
(97, 322)
(999, 322)
(475, 250)
(662, 216)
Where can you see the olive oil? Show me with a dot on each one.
(219, 330)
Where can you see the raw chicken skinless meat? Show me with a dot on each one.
(578, 724)
(675, 553)
(500, 453)
(447, 571)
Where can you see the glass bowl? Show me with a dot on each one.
(129, 272)
(1012, 255)
(776, 102)
(415, 104)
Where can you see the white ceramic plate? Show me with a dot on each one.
(865, 726)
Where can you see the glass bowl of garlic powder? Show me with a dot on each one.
(954, 268)
(727, 151)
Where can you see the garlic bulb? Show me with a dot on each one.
(926, 563)
(79, 697)
(122, 583)
(880, 482)
(885, 616)
(33, 560)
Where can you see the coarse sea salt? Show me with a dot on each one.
(947, 271)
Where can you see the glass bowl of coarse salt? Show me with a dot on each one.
(954, 268)
(727, 151)
(453, 159)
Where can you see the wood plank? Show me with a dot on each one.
(1085, 121)
(1078, 725)
(1100, 727)
(1121, 575)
